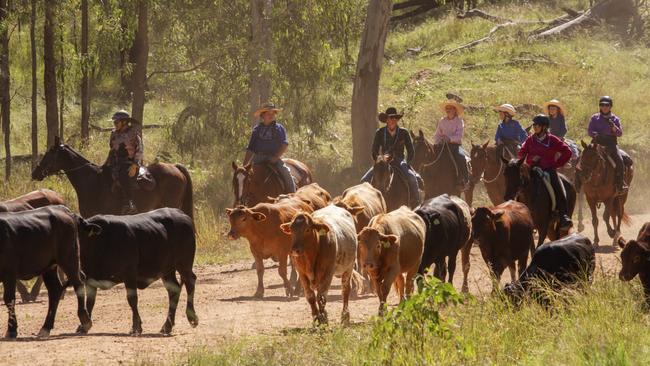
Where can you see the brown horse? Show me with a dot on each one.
(95, 189)
(253, 184)
(597, 176)
(391, 184)
(488, 168)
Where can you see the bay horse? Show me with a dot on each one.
(94, 183)
(255, 183)
(527, 187)
(598, 182)
(390, 183)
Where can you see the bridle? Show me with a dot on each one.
(386, 188)
(48, 171)
(587, 176)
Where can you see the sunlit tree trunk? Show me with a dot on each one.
(5, 98)
(141, 45)
(32, 40)
(261, 53)
(85, 85)
(49, 74)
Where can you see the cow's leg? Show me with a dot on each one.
(409, 282)
(22, 291)
(282, 271)
(9, 284)
(399, 285)
(464, 258)
(345, 292)
(259, 267)
(594, 218)
(293, 279)
(188, 278)
(513, 271)
(310, 296)
(91, 294)
(173, 293)
(451, 266)
(36, 289)
(54, 290)
(132, 298)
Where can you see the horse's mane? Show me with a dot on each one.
(78, 155)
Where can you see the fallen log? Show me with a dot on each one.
(109, 129)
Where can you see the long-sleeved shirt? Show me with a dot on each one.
(267, 140)
(393, 145)
(451, 128)
(558, 126)
(132, 143)
(599, 125)
(510, 130)
(545, 149)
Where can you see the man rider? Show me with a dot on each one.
(268, 142)
(605, 129)
(393, 140)
(548, 152)
(124, 163)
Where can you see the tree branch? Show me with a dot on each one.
(478, 41)
(181, 71)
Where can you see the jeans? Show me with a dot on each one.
(410, 175)
(611, 147)
(560, 193)
(461, 162)
(282, 169)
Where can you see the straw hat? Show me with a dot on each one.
(123, 115)
(453, 103)
(266, 107)
(506, 108)
(557, 103)
(390, 112)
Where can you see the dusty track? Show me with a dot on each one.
(225, 310)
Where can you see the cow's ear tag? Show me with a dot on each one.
(322, 232)
(386, 244)
(436, 222)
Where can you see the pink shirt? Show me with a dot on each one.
(452, 128)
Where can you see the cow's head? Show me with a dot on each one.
(484, 220)
(306, 232)
(240, 181)
(242, 220)
(634, 257)
(353, 210)
(375, 247)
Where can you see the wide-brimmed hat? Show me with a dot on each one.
(506, 108)
(123, 115)
(390, 112)
(556, 103)
(266, 107)
(451, 102)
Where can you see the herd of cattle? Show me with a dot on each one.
(351, 236)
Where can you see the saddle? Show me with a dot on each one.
(546, 179)
(145, 180)
(276, 175)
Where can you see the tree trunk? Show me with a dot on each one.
(5, 99)
(62, 88)
(261, 53)
(49, 74)
(85, 86)
(366, 83)
(141, 44)
(32, 39)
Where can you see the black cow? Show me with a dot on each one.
(137, 250)
(449, 228)
(559, 263)
(34, 243)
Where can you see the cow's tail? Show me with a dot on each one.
(188, 196)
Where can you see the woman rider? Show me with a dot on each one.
(548, 152)
(509, 132)
(450, 131)
(556, 111)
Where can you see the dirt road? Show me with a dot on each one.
(224, 306)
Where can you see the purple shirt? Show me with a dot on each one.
(451, 128)
(599, 125)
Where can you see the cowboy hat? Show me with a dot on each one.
(390, 112)
(453, 103)
(506, 108)
(556, 103)
(123, 115)
(266, 107)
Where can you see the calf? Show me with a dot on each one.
(137, 250)
(324, 245)
(260, 225)
(505, 235)
(34, 243)
(560, 263)
(312, 194)
(389, 247)
(364, 202)
(449, 228)
(635, 258)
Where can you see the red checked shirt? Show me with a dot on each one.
(546, 149)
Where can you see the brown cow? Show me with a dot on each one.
(324, 246)
(389, 247)
(505, 235)
(635, 259)
(312, 194)
(362, 195)
(260, 225)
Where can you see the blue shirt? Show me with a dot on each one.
(511, 130)
(267, 140)
(558, 126)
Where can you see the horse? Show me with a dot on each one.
(94, 184)
(390, 183)
(253, 184)
(524, 185)
(597, 176)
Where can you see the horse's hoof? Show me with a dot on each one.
(136, 331)
(193, 319)
(43, 334)
(259, 294)
(11, 334)
(166, 328)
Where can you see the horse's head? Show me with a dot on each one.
(240, 181)
(479, 157)
(423, 151)
(517, 176)
(56, 159)
(382, 175)
(590, 160)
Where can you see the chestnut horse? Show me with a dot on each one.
(387, 180)
(253, 184)
(94, 183)
(597, 176)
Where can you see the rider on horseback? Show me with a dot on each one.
(392, 140)
(510, 135)
(268, 143)
(547, 152)
(605, 129)
(125, 157)
(450, 132)
(555, 111)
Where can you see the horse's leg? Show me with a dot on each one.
(581, 226)
(619, 207)
(594, 219)
(469, 194)
(610, 212)
(542, 231)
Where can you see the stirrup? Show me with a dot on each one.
(129, 208)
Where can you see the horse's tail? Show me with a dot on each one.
(188, 198)
(625, 218)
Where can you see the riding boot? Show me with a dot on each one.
(619, 168)
(561, 199)
(285, 173)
